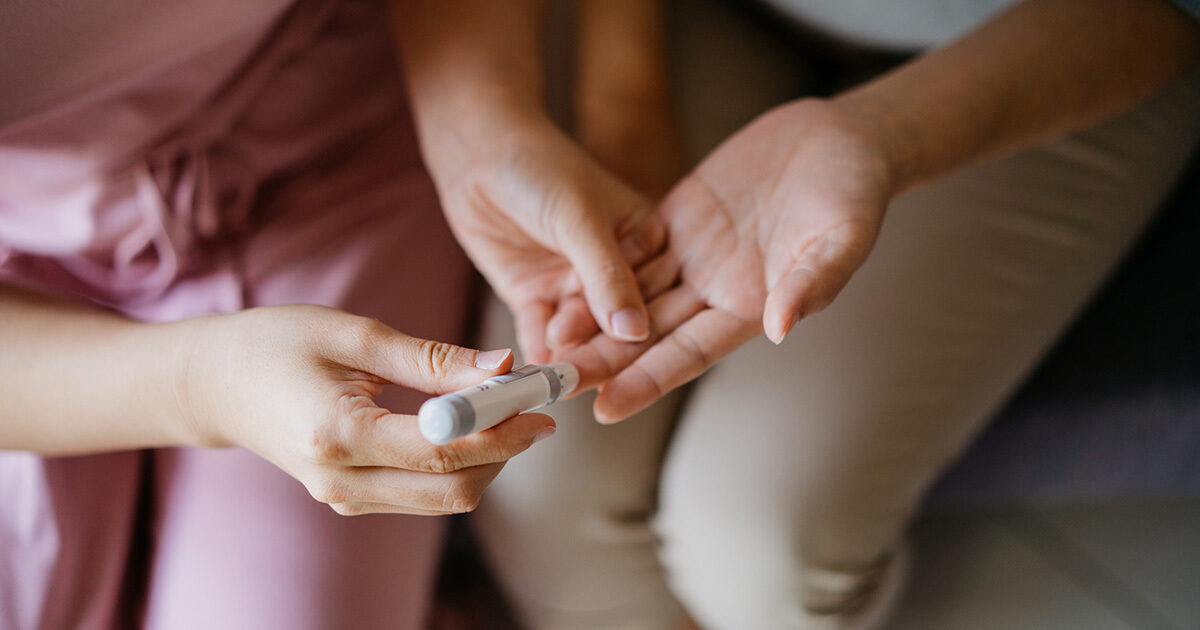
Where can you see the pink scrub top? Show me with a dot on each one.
(138, 136)
(168, 159)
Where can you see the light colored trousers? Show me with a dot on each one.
(810, 458)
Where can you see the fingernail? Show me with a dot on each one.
(630, 324)
(491, 359)
(543, 434)
(787, 329)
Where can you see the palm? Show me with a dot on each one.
(766, 230)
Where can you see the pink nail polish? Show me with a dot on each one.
(543, 434)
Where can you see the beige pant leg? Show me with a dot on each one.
(814, 455)
(565, 525)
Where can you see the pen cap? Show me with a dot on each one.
(444, 419)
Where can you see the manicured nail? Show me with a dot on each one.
(630, 324)
(491, 359)
(787, 329)
(543, 434)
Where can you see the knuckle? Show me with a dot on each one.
(656, 387)
(362, 336)
(613, 271)
(323, 447)
(327, 490)
(435, 357)
(692, 348)
(347, 509)
(443, 460)
(461, 496)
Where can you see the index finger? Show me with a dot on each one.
(373, 436)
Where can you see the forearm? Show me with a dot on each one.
(76, 379)
(473, 67)
(1043, 68)
(622, 54)
(624, 113)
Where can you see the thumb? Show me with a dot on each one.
(609, 284)
(429, 366)
(813, 281)
(789, 300)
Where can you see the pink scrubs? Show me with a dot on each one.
(274, 165)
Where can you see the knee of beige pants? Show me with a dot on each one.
(812, 457)
(564, 526)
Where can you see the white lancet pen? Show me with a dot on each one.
(495, 400)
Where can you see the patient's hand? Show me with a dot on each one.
(543, 221)
(767, 230)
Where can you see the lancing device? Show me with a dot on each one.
(495, 400)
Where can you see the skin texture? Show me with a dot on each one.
(293, 384)
(624, 117)
(771, 225)
(766, 230)
(540, 217)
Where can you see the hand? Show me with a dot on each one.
(542, 221)
(767, 230)
(295, 384)
(631, 130)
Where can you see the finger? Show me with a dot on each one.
(608, 282)
(643, 236)
(571, 325)
(531, 320)
(819, 274)
(429, 366)
(657, 275)
(407, 490)
(682, 355)
(645, 241)
(602, 358)
(362, 508)
(790, 300)
(371, 436)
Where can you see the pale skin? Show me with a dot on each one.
(792, 203)
(539, 216)
(771, 225)
(293, 384)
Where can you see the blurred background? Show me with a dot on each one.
(1079, 507)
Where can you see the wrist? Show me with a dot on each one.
(191, 381)
(884, 126)
(863, 136)
(465, 132)
(497, 139)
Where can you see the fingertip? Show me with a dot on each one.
(780, 325)
(630, 324)
(500, 360)
(605, 411)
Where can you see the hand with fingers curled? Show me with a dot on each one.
(765, 231)
(296, 385)
(547, 226)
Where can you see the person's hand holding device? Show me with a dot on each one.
(296, 384)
